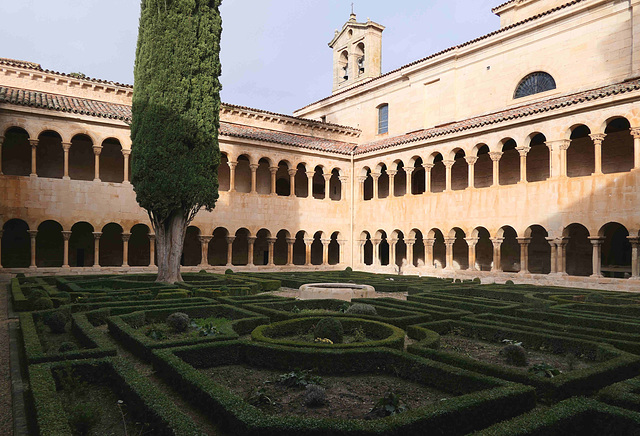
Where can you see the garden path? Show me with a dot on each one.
(6, 416)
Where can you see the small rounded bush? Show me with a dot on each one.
(228, 271)
(477, 280)
(330, 328)
(315, 396)
(202, 271)
(348, 269)
(509, 282)
(37, 294)
(594, 298)
(43, 304)
(361, 309)
(178, 321)
(515, 355)
(56, 322)
(67, 346)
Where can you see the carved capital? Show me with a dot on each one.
(310, 173)
(205, 239)
(523, 150)
(152, 237)
(232, 165)
(66, 235)
(427, 166)
(495, 155)
(597, 240)
(598, 138)
(97, 149)
(291, 241)
(251, 240)
(293, 172)
(33, 233)
(524, 241)
(409, 170)
(472, 242)
(96, 235)
(272, 241)
(254, 167)
(635, 132)
(327, 177)
(66, 146)
(375, 176)
(273, 170)
(362, 179)
(343, 179)
(230, 239)
(448, 163)
(564, 145)
(125, 152)
(34, 142)
(471, 160)
(126, 237)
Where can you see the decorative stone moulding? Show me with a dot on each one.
(337, 291)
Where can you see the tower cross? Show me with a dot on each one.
(352, 9)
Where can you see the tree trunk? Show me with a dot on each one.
(170, 235)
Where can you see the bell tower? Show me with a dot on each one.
(357, 53)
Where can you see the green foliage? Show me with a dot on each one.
(362, 309)
(359, 335)
(36, 294)
(155, 333)
(509, 283)
(299, 379)
(594, 298)
(67, 346)
(258, 397)
(57, 321)
(176, 107)
(228, 271)
(544, 370)
(329, 328)
(514, 355)
(178, 321)
(315, 396)
(43, 304)
(389, 404)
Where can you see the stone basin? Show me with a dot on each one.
(337, 291)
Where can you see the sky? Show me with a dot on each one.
(275, 53)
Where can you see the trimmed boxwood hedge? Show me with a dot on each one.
(623, 394)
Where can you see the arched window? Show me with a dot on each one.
(535, 83)
(383, 119)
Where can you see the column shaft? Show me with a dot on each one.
(34, 146)
(427, 177)
(152, 250)
(596, 256)
(392, 182)
(96, 156)
(32, 235)
(66, 146)
(230, 240)
(428, 257)
(448, 164)
(125, 249)
(290, 242)
(251, 241)
(471, 163)
(598, 138)
(232, 176)
(125, 155)
(96, 249)
(524, 254)
(292, 183)
(254, 178)
(66, 235)
(307, 248)
(310, 175)
(271, 242)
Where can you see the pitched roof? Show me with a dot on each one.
(505, 115)
(501, 5)
(62, 103)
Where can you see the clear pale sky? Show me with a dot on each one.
(274, 52)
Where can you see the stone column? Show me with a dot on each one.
(125, 155)
(273, 171)
(428, 256)
(555, 157)
(375, 177)
(204, 247)
(635, 267)
(345, 192)
(34, 147)
(409, 182)
(310, 175)
(361, 243)
(410, 243)
(292, 182)
(562, 256)
(307, 248)
(254, 178)
(97, 149)
(125, 249)
(230, 240)
(232, 175)
(392, 251)
(564, 146)
(524, 255)
(376, 252)
(251, 240)
(427, 177)
(448, 164)
(325, 251)
(1, 141)
(448, 242)
(66, 235)
(495, 157)
(327, 187)
(32, 235)
(342, 243)
(554, 255)
(497, 243)
(596, 258)
(523, 162)
(471, 162)
(271, 242)
(598, 138)
(66, 146)
(96, 249)
(361, 180)
(152, 249)
(392, 182)
(290, 242)
(472, 242)
(635, 132)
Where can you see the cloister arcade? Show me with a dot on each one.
(581, 153)
(84, 245)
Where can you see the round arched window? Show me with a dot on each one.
(535, 83)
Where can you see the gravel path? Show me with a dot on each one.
(6, 417)
(295, 293)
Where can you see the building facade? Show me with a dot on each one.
(515, 156)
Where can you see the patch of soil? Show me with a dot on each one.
(211, 326)
(51, 341)
(489, 352)
(348, 397)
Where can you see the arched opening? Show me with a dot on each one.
(368, 250)
(81, 158)
(218, 247)
(139, 246)
(283, 187)
(368, 185)
(383, 182)
(224, 173)
(300, 249)
(335, 185)
(438, 174)
(460, 250)
(484, 249)
(263, 177)
(383, 248)
(579, 251)
(334, 249)
(16, 244)
(243, 175)
(50, 155)
(483, 168)
(261, 247)
(240, 248)
(439, 249)
(81, 245)
(400, 247)
(111, 245)
(538, 159)
(400, 181)
(418, 177)
(359, 51)
(459, 171)
(302, 181)
(509, 164)
(192, 249)
(617, 147)
(343, 66)
(49, 245)
(281, 248)
(539, 250)
(616, 251)
(509, 250)
(316, 249)
(418, 248)
(581, 153)
(111, 161)
(16, 153)
(318, 183)
(534, 83)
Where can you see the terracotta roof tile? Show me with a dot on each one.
(501, 5)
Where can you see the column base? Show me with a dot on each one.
(66, 178)
(97, 180)
(596, 276)
(126, 182)
(66, 266)
(33, 175)
(33, 267)
(634, 278)
(523, 272)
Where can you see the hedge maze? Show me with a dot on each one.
(116, 354)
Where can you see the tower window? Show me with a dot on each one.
(383, 119)
(535, 83)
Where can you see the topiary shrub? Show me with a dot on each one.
(509, 282)
(57, 322)
(178, 321)
(315, 396)
(361, 309)
(37, 294)
(514, 355)
(228, 271)
(202, 271)
(477, 280)
(330, 328)
(43, 304)
(67, 346)
(594, 298)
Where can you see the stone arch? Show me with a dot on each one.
(224, 173)
(617, 147)
(50, 155)
(261, 247)
(581, 152)
(82, 245)
(49, 244)
(460, 248)
(483, 168)
(417, 176)
(439, 257)
(281, 248)
(16, 152)
(81, 157)
(578, 250)
(615, 258)
(509, 166)
(317, 249)
(218, 247)
(111, 245)
(335, 185)
(509, 249)
(368, 184)
(240, 247)
(111, 161)
(334, 249)
(418, 247)
(16, 244)
(367, 255)
(139, 246)
(302, 181)
(459, 170)
(484, 249)
(318, 182)
(399, 179)
(438, 172)
(300, 248)
(192, 249)
(283, 186)
(539, 249)
(400, 247)
(243, 176)
(383, 180)
(538, 158)
(383, 247)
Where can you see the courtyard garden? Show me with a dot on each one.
(232, 354)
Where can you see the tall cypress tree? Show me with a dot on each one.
(174, 130)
